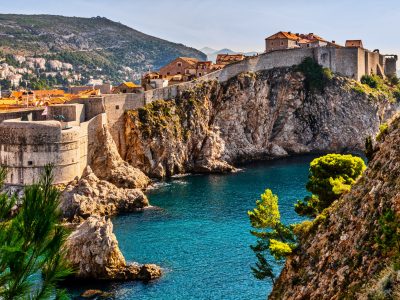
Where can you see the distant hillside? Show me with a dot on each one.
(94, 45)
(212, 53)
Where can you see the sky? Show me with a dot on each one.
(238, 25)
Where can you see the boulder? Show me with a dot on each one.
(92, 196)
(92, 250)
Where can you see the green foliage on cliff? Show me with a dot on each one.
(330, 176)
(383, 130)
(378, 88)
(316, 76)
(373, 81)
(31, 243)
(273, 237)
(388, 237)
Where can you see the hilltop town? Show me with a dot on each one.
(29, 76)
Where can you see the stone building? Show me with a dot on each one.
(104, 88)
(281, 40)
(226, 59)
(153, 80)
(180, 66)
(186, 69)
(354, 44)
(352, 60)
(127, 88)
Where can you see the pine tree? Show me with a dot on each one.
(275, 240)
(31, 257)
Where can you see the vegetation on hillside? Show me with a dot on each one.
(97, 46)
(316, 76)
(273, 237)
(330, 176)
(377, 87)
(31, 255)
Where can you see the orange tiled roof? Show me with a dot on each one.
(130, 84)
(310, 37)
(190, 60)
(41, 93)
(285, 34)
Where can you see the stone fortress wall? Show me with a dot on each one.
(29, 140)
(27, 146)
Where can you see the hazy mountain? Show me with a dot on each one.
(212, 54)
(88, 43)
(207, 50)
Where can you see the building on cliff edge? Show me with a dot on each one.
(351, 60)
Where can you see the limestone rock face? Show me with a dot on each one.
(339, 257)
(250, 117)
(92, 196)
(93, 251)
(108, 165)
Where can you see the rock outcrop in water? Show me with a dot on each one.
(250, 117)
(341, 256)
(93, 251)
(91, 196)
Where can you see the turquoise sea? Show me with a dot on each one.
(199, 233)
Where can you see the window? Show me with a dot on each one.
(30, 163)
(116, 106)
(179, 72)
(200, 74)
(179, 64)
(281, 43)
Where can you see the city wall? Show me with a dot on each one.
(27, 146)
(30, 139)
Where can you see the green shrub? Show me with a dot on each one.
(316, 76)
(383, 130)
(370, 80)
(375, 82)
(359, 89)
(330, 176)
(393, 80)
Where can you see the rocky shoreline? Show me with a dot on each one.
(253, 116)
(206, 130)
(108, 186)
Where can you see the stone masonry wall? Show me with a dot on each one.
(27, 146)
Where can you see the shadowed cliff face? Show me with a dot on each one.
(252, 116)
(340, 256)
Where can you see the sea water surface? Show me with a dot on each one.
(200, 233)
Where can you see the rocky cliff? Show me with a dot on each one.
(352, 250)
(108, 186)
(252, 116)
